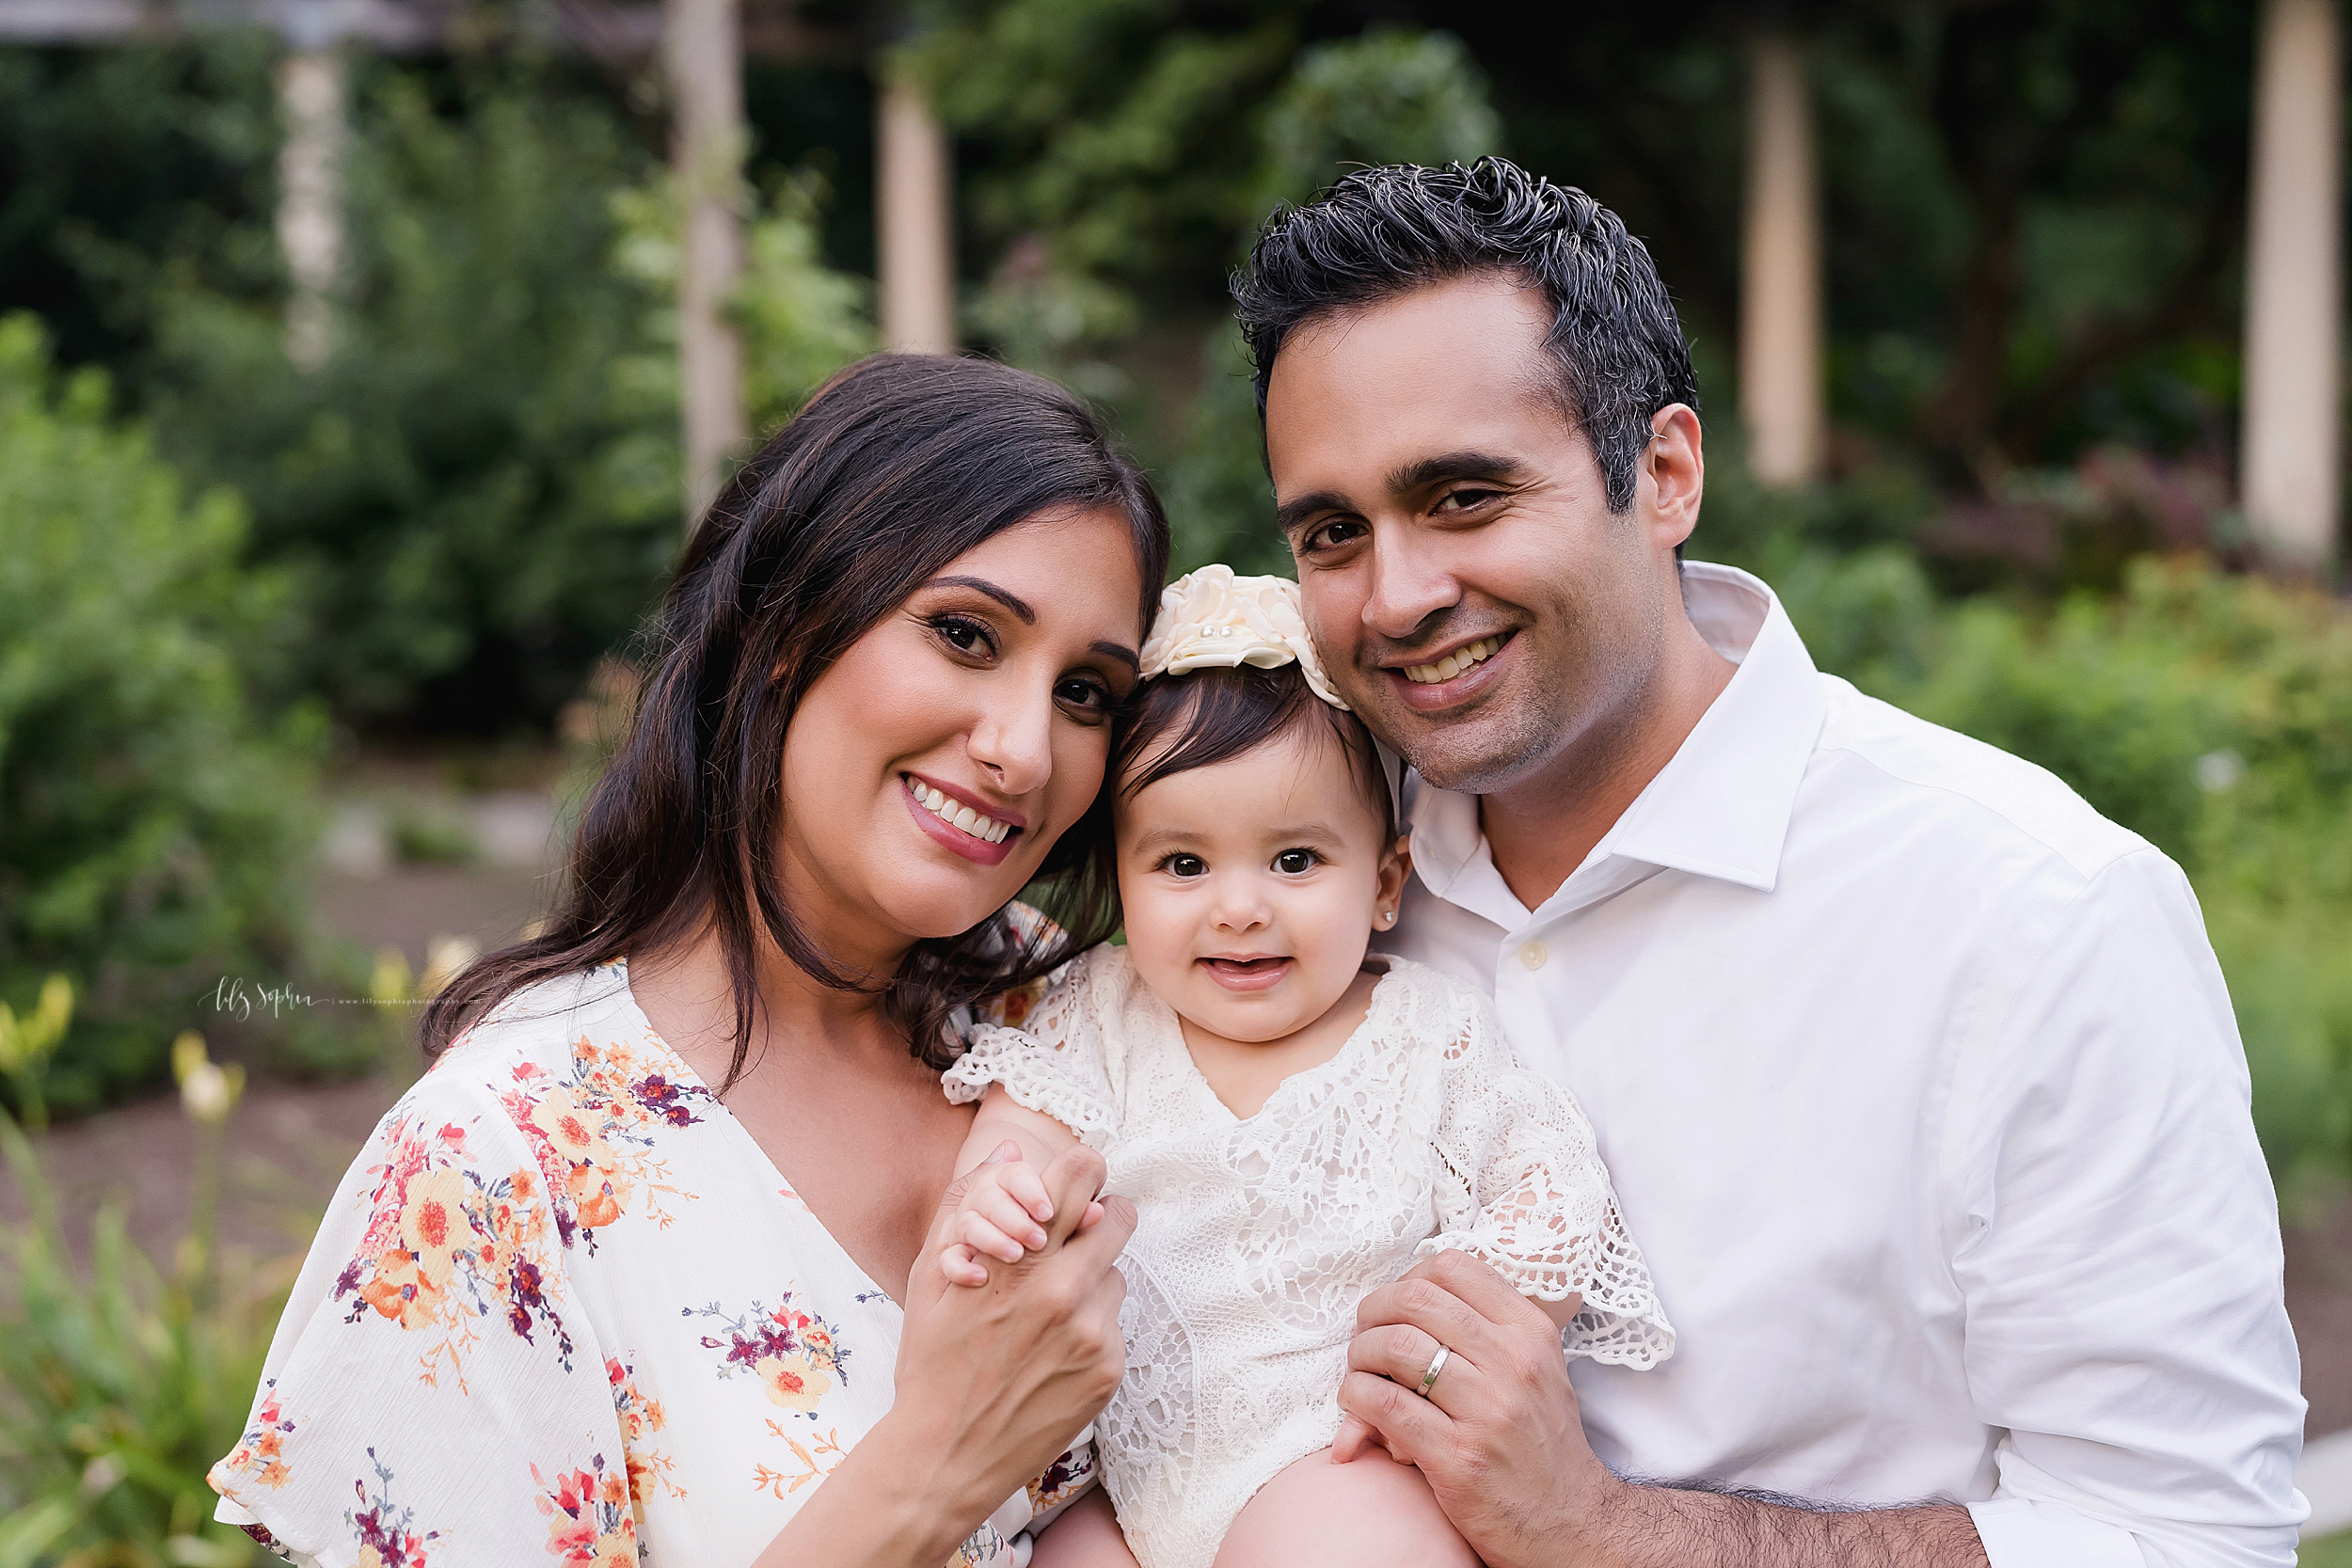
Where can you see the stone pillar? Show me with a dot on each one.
(914, 213)
(2288, 451)
(703, 53)
(1781, 396)
(309, 196)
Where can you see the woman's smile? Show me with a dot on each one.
(949, 818)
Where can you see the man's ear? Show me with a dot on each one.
(1671, 475)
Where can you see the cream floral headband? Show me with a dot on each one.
(1211, 619)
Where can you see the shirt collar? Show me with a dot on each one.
(1721, 806)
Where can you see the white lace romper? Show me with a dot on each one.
(1259, 1236)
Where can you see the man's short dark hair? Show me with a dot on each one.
(1382, 232)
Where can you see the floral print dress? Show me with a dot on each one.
(562, 1309)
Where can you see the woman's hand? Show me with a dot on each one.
(993, 1382)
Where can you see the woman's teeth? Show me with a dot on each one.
(1454, 664)
(957, 814)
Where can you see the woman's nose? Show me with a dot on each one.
(1013, 739)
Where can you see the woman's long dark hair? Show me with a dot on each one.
(898, 465)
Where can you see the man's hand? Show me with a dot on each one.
(1502, 1445)
(1499, 1437)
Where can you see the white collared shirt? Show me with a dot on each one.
(1919, 1082)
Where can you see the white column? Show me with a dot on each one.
(2288, 451)
(310, 198)
(913, 205)
(1780, 286)
(702, 50)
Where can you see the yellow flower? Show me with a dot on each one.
(432, 1222)
(793, 1380)
(568, 1128)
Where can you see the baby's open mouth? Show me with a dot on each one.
(1246, 974)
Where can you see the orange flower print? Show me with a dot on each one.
(588, 1516)
(793, 1352)
(641, 1418)
(260, 1454)
(596, 1129)
(448, 1251)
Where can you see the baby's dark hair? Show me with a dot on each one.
(1205, 716)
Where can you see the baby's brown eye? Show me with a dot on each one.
(1186, 865)
(1293, 861)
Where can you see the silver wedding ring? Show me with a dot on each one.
(1429, 1378)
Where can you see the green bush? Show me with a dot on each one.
(121, 1384)
(149, 816)
(472, 500)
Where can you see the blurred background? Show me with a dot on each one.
(362, 362)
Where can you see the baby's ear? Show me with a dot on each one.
(1396, 865)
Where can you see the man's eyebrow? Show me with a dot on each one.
(1119, 650)
(1452, 465)
(1291, 513)
(1011, 601)
(1410, 476)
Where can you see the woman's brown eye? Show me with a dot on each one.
(963, 635)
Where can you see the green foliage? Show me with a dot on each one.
(800, 320)
(119, 1385)
(1158, 138)
(474, 503)
(1394, 95)
(2333, 1552)
(148, 815)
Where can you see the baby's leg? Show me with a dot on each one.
(1370, 1512)
(1084, 1536)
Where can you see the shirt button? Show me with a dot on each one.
(1532, 954)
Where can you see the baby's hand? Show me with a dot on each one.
(1003, 1216)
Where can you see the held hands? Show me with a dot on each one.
(1003, 1214)
(993, 1382)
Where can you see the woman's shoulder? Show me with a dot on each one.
(550, 1033)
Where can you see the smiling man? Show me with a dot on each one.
(1916, 1076)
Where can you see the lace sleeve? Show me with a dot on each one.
(1054, 1065)
(1529, 1196)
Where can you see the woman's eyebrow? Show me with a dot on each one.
(1124, 655)
(1012, 601)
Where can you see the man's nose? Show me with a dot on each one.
(1409, 584)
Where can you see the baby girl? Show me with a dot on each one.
(1296, 1119)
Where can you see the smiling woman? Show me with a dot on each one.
(626, 1276)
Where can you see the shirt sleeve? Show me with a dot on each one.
(434, 1391)
(1054, 1064)
(2114, 1234)
(1524, 1190)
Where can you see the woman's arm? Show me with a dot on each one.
(993, 1382)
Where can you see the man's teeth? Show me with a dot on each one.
(1454, 664)
(957, 814)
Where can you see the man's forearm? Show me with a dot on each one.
(1668, 1527)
